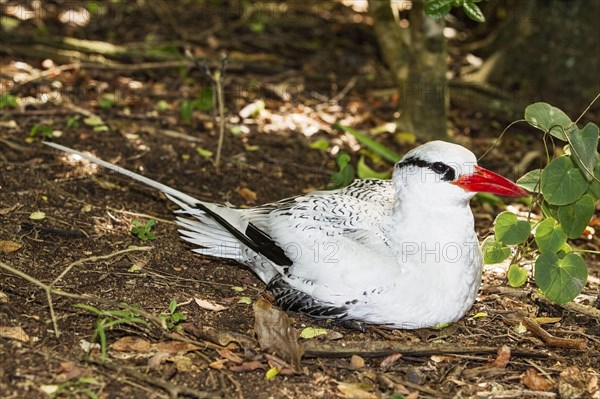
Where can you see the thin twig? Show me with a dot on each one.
(551, 340)
(384, 348)
(88, 298)
(588, 107)
(173, 390)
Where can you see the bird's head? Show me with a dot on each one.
(440, 171)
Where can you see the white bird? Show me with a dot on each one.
(402, 253)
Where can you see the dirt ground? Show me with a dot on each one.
(306, 85)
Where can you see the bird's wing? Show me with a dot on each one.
(359, 206)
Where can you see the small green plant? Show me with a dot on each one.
(345, 173)
(109, 319)
(43, 130)
(108, 101)
(142, 230)
(566, 190)
(8, 101)
(73, 121)
(440, 8)
(173, 316)
(203, 102)
(82, 387)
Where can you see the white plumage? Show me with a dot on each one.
(401, 253)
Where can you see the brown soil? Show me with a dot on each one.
(89, 211)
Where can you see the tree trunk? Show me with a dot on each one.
(416, 58)
(548, 51)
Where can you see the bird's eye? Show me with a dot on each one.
(439, 167)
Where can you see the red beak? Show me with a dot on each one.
(485, 181)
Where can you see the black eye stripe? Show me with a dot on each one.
(447, 172)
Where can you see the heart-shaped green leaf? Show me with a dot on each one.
(574, 217)
(530, 181)
(550, 211)
(584, 148)
(510, 230)
(516, 275)
(561, 280)
(562, 181)
(548, 119)
(549, 236)
(494, 251)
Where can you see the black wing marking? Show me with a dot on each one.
(254, 238)
(289, 298)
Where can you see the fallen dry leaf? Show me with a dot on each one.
(229, 355)
(547, 320)
(248, 195)
(275, 334)
(3, 297)
(574, 383)
(204, 304)
(391, 359)
(6, 211)
(248, 366)
(534, 381)
(14, 333)
(7, 247)
(156, 360)
(175, 347)
(503, 357)
(132, 344)
(68, 371)
(355, 391)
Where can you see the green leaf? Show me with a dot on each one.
(510, 230)
(186, 108)
(371, 144)
(561, 280)
(594, 189)
(204, 101)
(517, 276)
(271, 373)
(246, 300)
(365, 172)
(172, 306)
(562, 181)
(8, 100)
(438, 9)
(161, 105)
(473, 12)
(203, 152)
(44, 130)
(346, 173)
(549, 210)
(107, 101)
(549, 236)
(575, 217)
(312, 332)
(494, 251)
(342, 160)
(321, 145)
(100, 128)
(489, 198)
(93, 120)
(530, 181)
(584, 148)
(548, 119)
